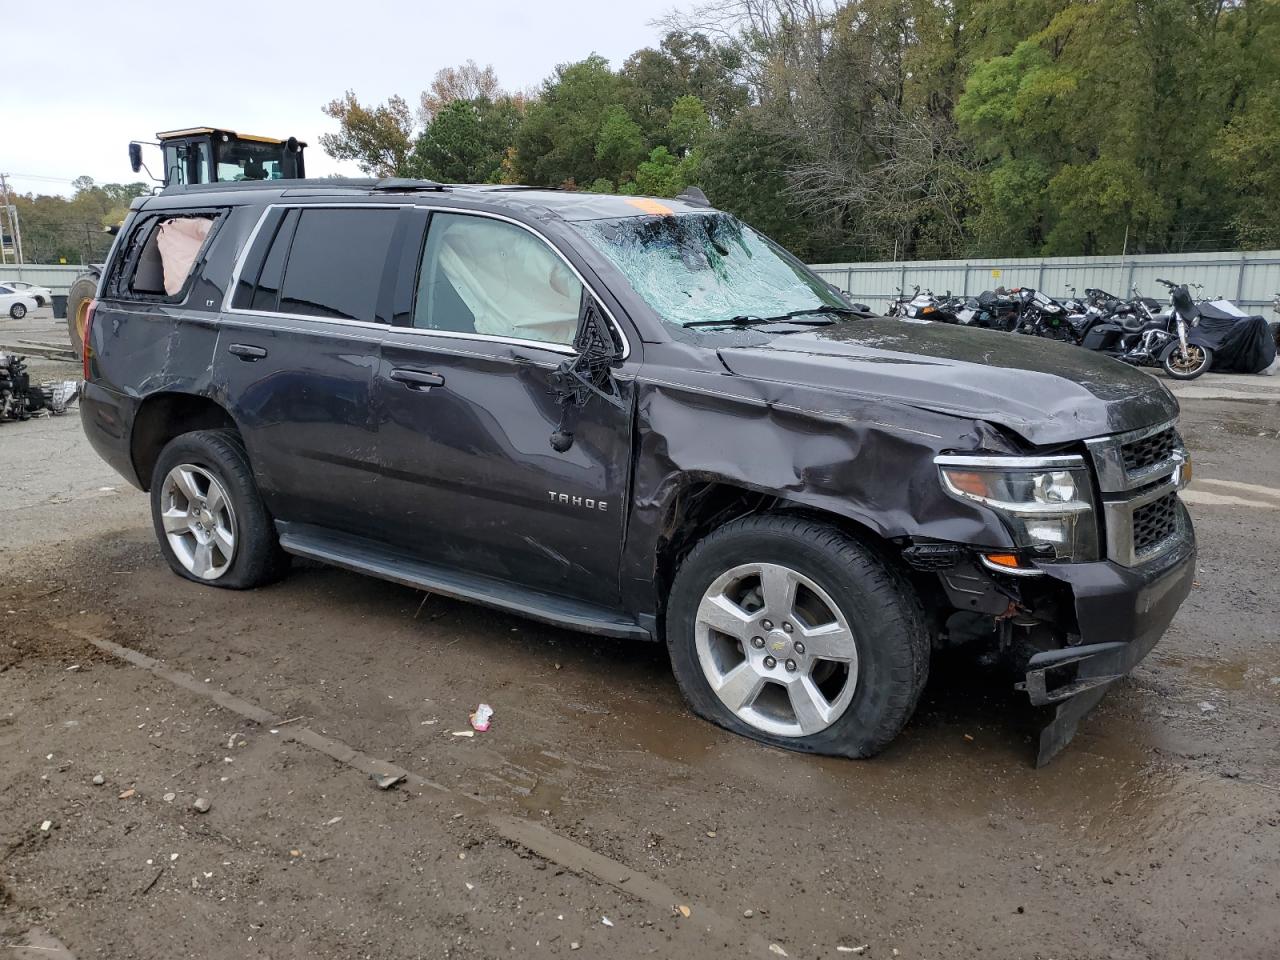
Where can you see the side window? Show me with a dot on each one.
(480, 275)
(337, 262)
(167, 250)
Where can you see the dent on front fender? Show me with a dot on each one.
(867, 461)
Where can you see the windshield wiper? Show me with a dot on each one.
(752, 321)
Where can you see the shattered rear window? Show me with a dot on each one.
(706, 266)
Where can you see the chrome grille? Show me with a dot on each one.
(1138, 476)
(1154, 523)
(1141, 455)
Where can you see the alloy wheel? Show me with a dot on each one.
(198, 521)
(776, 649)
(1189, 361)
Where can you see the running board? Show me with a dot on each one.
(362, 556)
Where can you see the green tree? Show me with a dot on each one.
(466, 141)
(1249, 153)
(619, 144)
(561, 137)
(378, 138)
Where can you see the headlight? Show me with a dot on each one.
(1044, 501)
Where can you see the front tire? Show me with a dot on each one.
(209, 518)
(788, 631)
(18, 311)
(1187, 366)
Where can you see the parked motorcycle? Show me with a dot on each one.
(1146, 338)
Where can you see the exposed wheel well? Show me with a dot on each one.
(702, 507)
(165, 416)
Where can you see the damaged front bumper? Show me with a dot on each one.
(1121, 612)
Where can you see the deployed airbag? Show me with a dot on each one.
(179, 241)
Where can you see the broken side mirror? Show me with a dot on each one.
(589, 373)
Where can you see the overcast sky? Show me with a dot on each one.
(84, 77)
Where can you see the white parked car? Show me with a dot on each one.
(43, 295)
(16, 303)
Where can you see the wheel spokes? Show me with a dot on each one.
(778, 589)
(739, 687)
(175, 521)
(720, 613)
(184, 481)
(813, 712)
(202, 561)
(831, 641)
(224, 541)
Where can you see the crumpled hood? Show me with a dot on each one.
(1048, 392)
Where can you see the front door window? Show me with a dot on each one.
(485, 276)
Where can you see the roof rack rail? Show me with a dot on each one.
(407, 184)
(230, 186)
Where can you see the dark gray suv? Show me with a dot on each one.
(642, 419)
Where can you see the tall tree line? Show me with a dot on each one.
(909, 128)
(73, 229)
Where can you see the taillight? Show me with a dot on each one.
(86, 329)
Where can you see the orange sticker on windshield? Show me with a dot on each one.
(651, 206)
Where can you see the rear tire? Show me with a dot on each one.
(83, 289)
(789, 631)
(209, 518)
(18, 311)
(1196, 361)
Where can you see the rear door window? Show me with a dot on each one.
(337, 262)
(162, 254)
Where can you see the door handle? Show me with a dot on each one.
(247, 352)
(417, 379)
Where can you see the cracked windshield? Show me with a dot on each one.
(702, 268)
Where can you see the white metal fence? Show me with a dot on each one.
(1249, 279)
(56, 276)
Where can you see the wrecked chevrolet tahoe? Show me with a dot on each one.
(641, 419)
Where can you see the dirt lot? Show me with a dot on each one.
(596, 794)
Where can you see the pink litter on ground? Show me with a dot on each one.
(480, 719)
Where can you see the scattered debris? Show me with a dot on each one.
(127, 794)
(480, 719)
(1207, 707)
(98, 780)
(748, 914)
(774, 948)
(464, 733)
(711, 834)
(173, 857)
(201, 805)
(332, 820)
(153, 881)
(170, 797)
(606, 921)
(387, 781)
(295, 853)
(469, 886)
(861, 949)
(44, 827)
(575, 945)
(969, 737)
(683, 910)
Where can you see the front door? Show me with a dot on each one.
(467, 412)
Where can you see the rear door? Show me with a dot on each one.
(465, 395)
(296, 352)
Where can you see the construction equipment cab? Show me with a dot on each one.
(206, 155)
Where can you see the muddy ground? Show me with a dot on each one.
(1156, 835)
